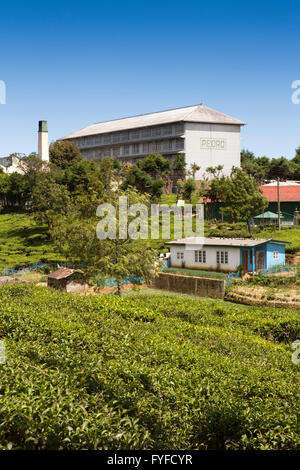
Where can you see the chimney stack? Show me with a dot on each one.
(43, 141)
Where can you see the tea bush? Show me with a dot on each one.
(144, 372)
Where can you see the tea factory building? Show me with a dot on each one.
(206, 137)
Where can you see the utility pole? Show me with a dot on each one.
(278, 202)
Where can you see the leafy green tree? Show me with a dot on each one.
(256, 167)
(189, 186)
(17, 194)
(194, 169)
(280, 168)
(48, 200)
(240, 196)
(148, 175)
(4, 187)
(179, 167)
(64, 153)
(75, 236)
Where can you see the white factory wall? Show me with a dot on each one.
(199, 135)
(211, 258)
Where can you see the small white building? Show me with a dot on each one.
(226, 254)
(11, 164)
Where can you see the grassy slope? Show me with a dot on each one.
(149, 372)
(22, 242)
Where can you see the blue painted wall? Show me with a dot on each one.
(268, 249)
(271, 247)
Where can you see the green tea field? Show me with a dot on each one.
(147, 371)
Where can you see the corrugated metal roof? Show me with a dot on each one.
(287, 193)
(62, 273)
(235, 242)
(196, 113)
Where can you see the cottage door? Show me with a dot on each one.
(260, 260)
(245, 260)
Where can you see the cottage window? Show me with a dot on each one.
(200, 256)
(222, 257)
(179, 254)
(275, 254)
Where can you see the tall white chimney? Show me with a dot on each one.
(43, 141)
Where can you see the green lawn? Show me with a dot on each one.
(145, 372)
(22, 242)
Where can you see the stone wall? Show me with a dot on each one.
(202, 286)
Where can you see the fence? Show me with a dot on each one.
(232, 276)
(280, 268)
(14, 272)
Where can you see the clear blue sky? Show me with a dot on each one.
(76, 63)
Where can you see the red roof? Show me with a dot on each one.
(287, 193)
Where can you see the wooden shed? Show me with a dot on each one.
(66, 279)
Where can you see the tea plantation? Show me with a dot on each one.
(145, 372)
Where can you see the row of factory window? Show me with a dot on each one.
(125, 136)
(136, 149)
(200, 256)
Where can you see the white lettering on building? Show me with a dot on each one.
(213, 144)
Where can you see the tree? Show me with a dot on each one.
(148, 175)
(194, 169)
(188, 188)
(179, 167)
(64, 153)
(48, 200)
(280, 168)
(240, 196)
(118, 258)
(256, 167)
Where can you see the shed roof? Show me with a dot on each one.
(267, 215)
(63, 273)
(196, 113)
(234, 242)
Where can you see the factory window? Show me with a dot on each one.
(156, 131)
(107, 138)
(178, 128)
(153, 146)
(134, 134)
(180, 255)
(200, 256)
(116, 137)
(124, 136)
(179, 143)
(146, 148)
(126, 149)
(107, 152)
(275, 254)
(116, 151)
(98, 139)
(165, 145)
(146, 132)
(170, 144)
(158, 146)
(222, 257)
(135, 148)
(167, 130)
